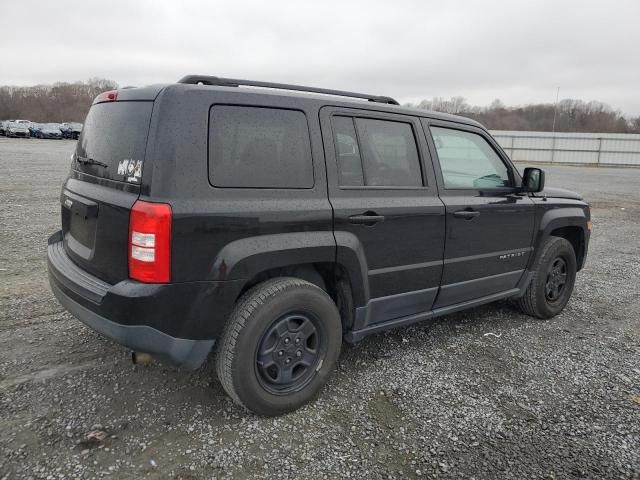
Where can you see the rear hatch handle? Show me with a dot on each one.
(79, 205)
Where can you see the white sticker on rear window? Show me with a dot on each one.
(131, 168)
(122, 167)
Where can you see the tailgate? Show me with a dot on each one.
(103, 186)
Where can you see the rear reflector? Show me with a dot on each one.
(110, 96)
(150, 242)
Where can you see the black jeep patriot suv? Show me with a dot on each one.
(264, 225)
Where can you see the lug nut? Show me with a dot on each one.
(281, 353)
(298, 353)
(288, 360)
(297, 341)
(286, 340)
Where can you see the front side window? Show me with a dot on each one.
(468, 161)
(381, 153)
(254, 147)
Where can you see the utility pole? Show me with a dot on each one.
(555, 111)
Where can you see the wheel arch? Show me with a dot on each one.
(568, 223)
(575, 236)
(335, 263)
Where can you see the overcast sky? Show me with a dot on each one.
(517, 51)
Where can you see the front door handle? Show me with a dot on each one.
(466, 214)
(366, 218)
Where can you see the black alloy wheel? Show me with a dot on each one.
(552, 280)
(280, 345)
(288, 353)
(556, 280)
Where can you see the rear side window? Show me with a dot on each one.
(113, 141)
(347, 151)
(376, 153)
(254, 147)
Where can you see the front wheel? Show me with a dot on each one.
(552, 281)
(280, 344)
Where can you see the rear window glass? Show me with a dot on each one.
(254, 147)
(113, 141)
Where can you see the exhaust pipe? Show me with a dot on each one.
(141, 358)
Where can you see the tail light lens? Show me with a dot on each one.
(150, 242)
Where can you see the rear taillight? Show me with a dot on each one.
(150, 242)
(110, 96)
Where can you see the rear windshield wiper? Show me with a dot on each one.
(90, 161)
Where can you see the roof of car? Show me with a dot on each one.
(152, 91)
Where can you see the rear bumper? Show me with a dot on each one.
(176, 323)
(141, 338)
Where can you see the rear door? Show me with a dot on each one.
(489, 225)
(103, 185)
(383, 192)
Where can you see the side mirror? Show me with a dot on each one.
(533, 180)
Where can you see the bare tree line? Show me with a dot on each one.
(571, 116)
(70, 102)
(60, 102)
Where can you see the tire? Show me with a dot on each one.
(272, 321)
(548, 292)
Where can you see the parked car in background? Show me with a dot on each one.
(4, 125)
(65, 128)
(15, 129)
(76, 130)
(26, 123)
(46, 130)
(71, 130)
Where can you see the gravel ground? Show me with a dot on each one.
(537, 399)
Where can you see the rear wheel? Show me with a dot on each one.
(553, 280)
(280, 345)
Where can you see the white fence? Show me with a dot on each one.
(574, 148)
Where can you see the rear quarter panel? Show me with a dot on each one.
(211, 225)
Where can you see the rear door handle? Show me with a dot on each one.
(367, 218)
(466, 214)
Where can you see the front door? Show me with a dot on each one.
(383, 192)
(490, 225)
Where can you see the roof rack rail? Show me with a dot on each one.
(232, 82)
